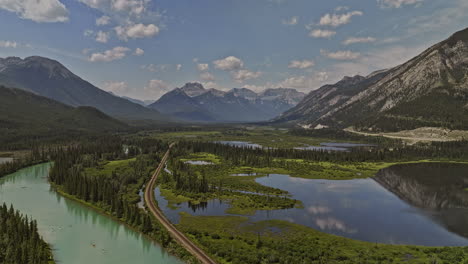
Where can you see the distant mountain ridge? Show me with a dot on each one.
(51, 79)
(195, 103)
(428, 90)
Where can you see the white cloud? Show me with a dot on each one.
(291, 21)
(156, 88)
(116, 53)
(341, 55)
(203, 66)
(102, 21)
(298, 64)
(155, 68)
(243, 75)
(229, 64)
(305, 82)
(178, 67)
(335, 20)
(102, 37)
(136, 31)
(8, 44)
(397, 3)
(206, 76)
(353, 40)
(41, 11)
(131, 6)
(139, 52)
(115, 87)
(320, 33)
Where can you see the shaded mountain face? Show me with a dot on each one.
(194, 103)
(429, 90)
(23, 112)
(51, 79)
(438, 189)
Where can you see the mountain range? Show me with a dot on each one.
(51, 79)
(195, 103)
(428, 90)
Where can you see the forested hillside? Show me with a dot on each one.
(26, 117)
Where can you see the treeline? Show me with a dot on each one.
(184, 179)
(36, 156)
(112, 191)
(245, 156)
(20, 242)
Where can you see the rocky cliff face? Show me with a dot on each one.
(398, 95)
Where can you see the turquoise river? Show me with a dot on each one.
(77, 234)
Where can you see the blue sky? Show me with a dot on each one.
(142, 48)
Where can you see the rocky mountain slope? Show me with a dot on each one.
(51, 79)
(429, 90)
(195, 103)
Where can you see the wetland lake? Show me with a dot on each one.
(417, 204)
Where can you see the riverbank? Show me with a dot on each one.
(176, 251)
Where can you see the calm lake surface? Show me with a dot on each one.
(426, 211)
(77, 234)
(326, 146)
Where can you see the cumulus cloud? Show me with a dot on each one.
(229, 63)
(336, 20)
(305, 82)
(155, 67)
(298, 64)
(243, 75)
(102, 21)
(139, 52)
(115, 87)
(206, 76)
(353, 40)
(136, 31)
(291, 21)
(341, 55)
(203, 66)
(397, 3)
(102, 37)
(178, 67)
(156, 88)
(41, 11)
(116, 53)
(8, 44)
(131, 7)
(320, 33)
